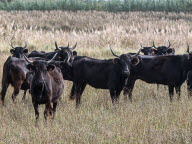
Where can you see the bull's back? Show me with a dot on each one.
(36, 54)
(162, 70)
(97, 73)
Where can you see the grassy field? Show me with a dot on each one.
(150, 118)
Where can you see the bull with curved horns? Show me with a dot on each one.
(62, 50)
(46, 85)
(147, 50)
(62, 53)
(163, 50)
(18, 51)
(14, 72)
(110, 74)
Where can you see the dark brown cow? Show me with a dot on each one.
(14, 71)
(46, 85)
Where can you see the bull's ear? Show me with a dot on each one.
(50, 67)
(74, 53)
(25, 51)
(30, 67)
(11, 51)
(116, 60)
(135, 61)
(170, 50)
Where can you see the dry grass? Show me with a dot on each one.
(151, 118)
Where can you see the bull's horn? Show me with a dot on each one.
(169, 44)
(52, 59)
(141, 45)
(74, 46)
(113, 53)
(137, 53)
(25, 45)
(56, 45)
(187, 48)
(68, 57)
(29, 61)
(12, 45)
(154, 45)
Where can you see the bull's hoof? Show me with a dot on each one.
(2, 103)
(23, 100)
(13, 99)
(72, 97)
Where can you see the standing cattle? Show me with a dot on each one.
(62, 53)
(103, 74)
(167, 70)
(18, 51)
(163, 50)
(46, 85)
(160, 50)
(147, 50)
(14, 71)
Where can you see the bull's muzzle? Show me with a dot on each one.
(126, 73)
(40, 84)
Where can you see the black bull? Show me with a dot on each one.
(46, 85)
(167, 70)
(14, 73)
(104, 74)
(62, 53)
(156, 51)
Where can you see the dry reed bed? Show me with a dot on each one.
(94, 31)
(151, 118)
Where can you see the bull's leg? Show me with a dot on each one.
(189, 89)
(79, 93)
(73, 91)
(17, 87)
(83, 88)
(128, 90)
(3, 92)
(171, 92)
(72, 94)
(54, 109)
(178, 91)
(117, 96)
(24, 95)
(78, 97)
(113, 95)
(47, 111)
(36, 105)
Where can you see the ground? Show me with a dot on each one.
(150, 118)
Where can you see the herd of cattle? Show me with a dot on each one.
(43, 73)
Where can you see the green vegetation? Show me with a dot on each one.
(100, 5)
